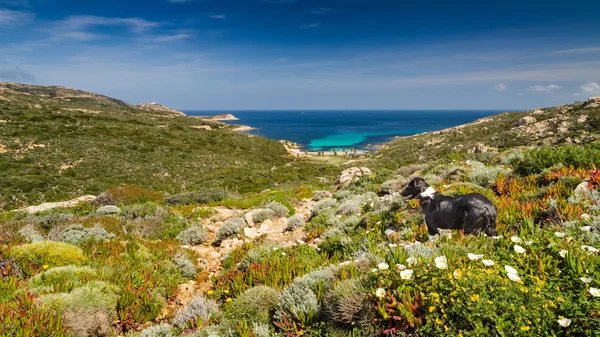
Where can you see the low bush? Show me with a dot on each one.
(256, 304)
(47, 253)
(196, 313)
(186, 267)
(278, 209)
(229, 228)
(536, 160)
(77, 234)
(161, 330)
(196, 198)
(294, 222)
(323, 206)
(61, 279)
(194, 235)
(349, 305)
(144, 210)
(349, 207)
(48, 221)
(92, 296)
(261, 215)
(107, 210)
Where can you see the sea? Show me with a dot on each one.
(325, 130)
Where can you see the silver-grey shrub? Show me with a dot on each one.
(322, 206)
(162, 330)
(262, 215)
(30, 234)
(229, 228)
(255, 304)
(77, 234)
(349, 207)
(343, 194)
(107, 210)
(295, 221)
(485, 176)
(299, 302)
(198, 308)
(278, 208)
(144, 210)
(194, 235)
(186, 267)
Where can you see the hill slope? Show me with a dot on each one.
(57, 142)
(576, 123)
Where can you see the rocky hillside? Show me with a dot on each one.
(157, 107)
(58, 143)
(576, 123)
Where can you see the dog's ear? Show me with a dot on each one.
(420, 184)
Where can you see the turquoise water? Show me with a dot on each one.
(324, 130)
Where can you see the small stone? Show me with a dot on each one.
(250, 232)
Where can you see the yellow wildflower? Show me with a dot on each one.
(210, 292)
(475, 298)
(490, 302)
(228, 299)
(431, 309)
(524, 328)
(438, 321)
(226, 291)
(45, 266)
(524, 290)
(446, 328)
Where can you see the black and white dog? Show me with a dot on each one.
(473, 213)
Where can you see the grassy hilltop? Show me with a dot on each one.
(57, 143)
(248, 241)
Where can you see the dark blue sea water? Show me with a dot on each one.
(324, 130)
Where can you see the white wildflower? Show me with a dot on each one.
(474, 257)
(586, 228)
(383, 266)
(595, 292)
(586, 279)
(441, 262)
(564, 322)
(519, 249)
(515, 239)
(406, 274)
(560, 234)
(488, 263)
(380, 292)
(563, 253)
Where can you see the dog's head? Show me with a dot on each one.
(415, 187)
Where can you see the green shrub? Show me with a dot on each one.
(229, 228)
(107, 210)
(186, 267)
(48, 253)
(349, 304)
(255, 304)
(30, 234)
(92, 296)
(144, 210)
(278, 209)
(298, 303)
(48, 221)
(261, 215)
(162, 330)
(61, 279)
(294, 222)
(194, 235)
(485, 176)
(196, 313)
(536, 160)
(343, 194)
(322, 206)
(77, 234)
(193, 198)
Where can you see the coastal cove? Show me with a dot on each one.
(325, 130)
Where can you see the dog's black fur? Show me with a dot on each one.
(473, 213)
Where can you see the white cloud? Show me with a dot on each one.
(591, 88)
(320, 10)
(218, 16)
(10, 18)
(311, 25)
(500, 87)
(74, 27)
(173, 37)
(544, 88)
(578, 50)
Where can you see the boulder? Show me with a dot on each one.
(265, 227)
(352, 174)
(526, 120)
(251, 233)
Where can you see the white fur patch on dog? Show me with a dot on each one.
(428, 193)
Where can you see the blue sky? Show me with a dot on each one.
(307, 54)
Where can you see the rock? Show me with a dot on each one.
(583, 186)
(250, 233)
(390, 231)
(300, 242)
(50, 205)
(592, 102)
(249, 219)
(107, 210)
(264, 227)
(352, 174)
(526, 120)
(481, 148)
